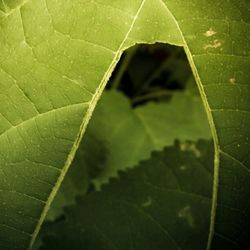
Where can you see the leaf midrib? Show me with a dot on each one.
(84, 124)
(212, 127)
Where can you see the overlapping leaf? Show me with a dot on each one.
(142, 130)
(153, 206)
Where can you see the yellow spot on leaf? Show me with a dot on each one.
(213, 45)
(191, 147)
(209, 33)
(232, 80)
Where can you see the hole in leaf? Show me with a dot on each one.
(151, 73)
(151, 104)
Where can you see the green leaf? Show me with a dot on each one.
(182, 118)
(57, 56)
(142, 130)
(153, 206)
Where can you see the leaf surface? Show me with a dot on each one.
(152, 206)
(57, 56)
(142, 130)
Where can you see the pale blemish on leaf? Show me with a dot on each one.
(190, 147)
(232, 80)
(148, 202)
(210, 33)
(183, 167)
(213, 45)
(186, 214)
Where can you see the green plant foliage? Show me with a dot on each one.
(142, 130)
(153, 206)
(56, 58)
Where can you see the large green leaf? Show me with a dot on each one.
(153, 206)
(142, 130)
(56, 57)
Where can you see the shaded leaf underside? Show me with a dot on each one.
(56, 57)
(141, 131)
(144, 208)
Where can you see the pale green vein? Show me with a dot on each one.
(40, 115)
(235, 160)
(213, 131)
(84, 124)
